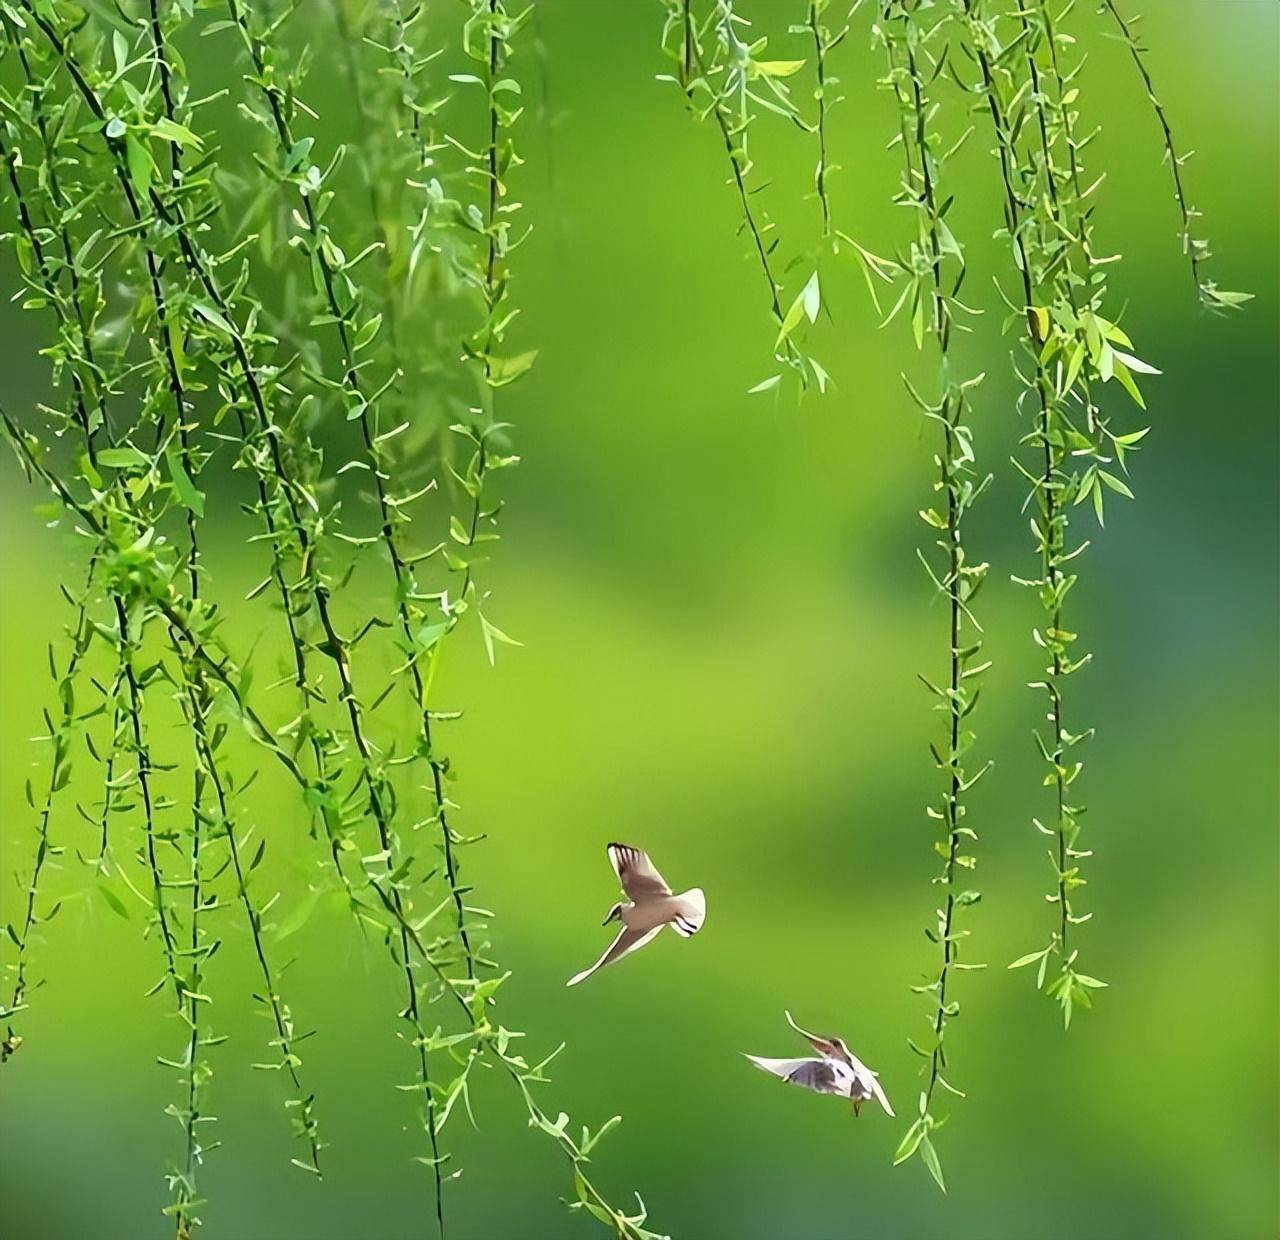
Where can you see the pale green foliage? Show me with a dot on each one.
(729, 80)
(1196, 248)
(204, 317)
(207, 366)
(825, 41)
(1071, 352)
(1014, 68)
(934, 270)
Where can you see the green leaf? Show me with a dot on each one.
(1073, 366)
(792, 317)
(177, 346)
(504, 370)
(298, 154)
(811, 295)
(427, 635)
(930, 1157)
(366, 333)
(1115, 483)
(140, 164)
(211, 315)
(492, 634)
(1133, 437)
(909, 1143)
(189, 495)
(113, 901)
(1029, 958)
(1220, 298)
(1135, 364)
(776, 68)
(1121, 372)
(127, 457)
(171, 131)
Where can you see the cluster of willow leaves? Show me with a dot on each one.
(216, 300)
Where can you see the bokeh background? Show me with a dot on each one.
(723, 618)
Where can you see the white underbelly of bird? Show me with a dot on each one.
(836, 1070)
(664, 911)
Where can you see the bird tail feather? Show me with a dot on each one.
(691, 912)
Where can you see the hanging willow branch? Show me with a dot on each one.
(181, 344)
(73, 314)
(473, 1000)
(81, 300)
(726, 81)
(1070, 348)
(340, 300)
(138, 564)
(1195, 248)
(825, 41)
(914, 42)
(197, 327)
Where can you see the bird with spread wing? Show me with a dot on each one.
(836, 1071)
(650, 905)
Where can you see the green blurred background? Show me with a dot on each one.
(723, 618)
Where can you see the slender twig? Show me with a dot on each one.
(713, 61)
(938, 264)
(1195, 248)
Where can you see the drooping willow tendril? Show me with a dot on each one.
(473, 1000)
(196, 700)
(135, 579)
(520, 1071)
(1070, 349)
(78, 344)
(196, 324)
(825, 41)
(60, 734)
(208, 318)
(340, 299)
(1049, 438)
(913, 40)
(725, 80)
(1195, 248)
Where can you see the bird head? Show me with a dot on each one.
(614, 914)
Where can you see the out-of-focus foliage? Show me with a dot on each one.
(721, 624)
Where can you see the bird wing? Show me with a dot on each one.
(824, 1046)
(627, 941)
(878, 1090)
(869, 1082)
(690, 911)
(820, 1075)
(636, 872)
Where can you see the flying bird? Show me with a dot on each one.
(650, 906)
(836, 1071)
